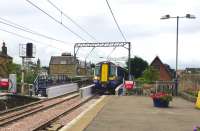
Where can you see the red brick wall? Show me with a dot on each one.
(164, 75)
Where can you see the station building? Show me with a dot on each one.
(5, 59)
(67, 65)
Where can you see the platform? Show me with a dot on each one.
(136, 113)
(3, 95)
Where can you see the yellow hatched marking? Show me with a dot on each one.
(104, 73)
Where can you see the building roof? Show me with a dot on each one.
(61, 60)
(192, 70)
(5, 56)
(167, 68)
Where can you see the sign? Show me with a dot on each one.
(4, 83)
(129, 85)
(13, 83)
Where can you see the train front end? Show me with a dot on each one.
(105, 77)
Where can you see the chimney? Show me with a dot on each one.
(4, 49)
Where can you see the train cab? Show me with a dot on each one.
(106, 76)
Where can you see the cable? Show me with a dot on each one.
(75, 23)
(111, 52)
(28, 38)
(89, 53)
(116, 21)
(56, 20)
(117, 27)
(14, 25)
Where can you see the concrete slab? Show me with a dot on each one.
(136, 113)
(85, 118)
(5, 93)
(59, 90)
(86, 91)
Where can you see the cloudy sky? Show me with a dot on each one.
(139, 20)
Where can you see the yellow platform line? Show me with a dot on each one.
(86, 117)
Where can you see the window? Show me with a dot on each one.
(63, 62)
(112, 71)
(97, 70)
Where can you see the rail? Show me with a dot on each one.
(32, 104)
(14, 116)
(45, 124)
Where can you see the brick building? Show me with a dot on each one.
(5, 59)
(66, 65)
(62, 65)
(165, 72)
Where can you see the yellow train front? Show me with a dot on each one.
(107, 76)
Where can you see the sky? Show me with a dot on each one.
(139, 21)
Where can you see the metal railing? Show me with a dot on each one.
(41, 83)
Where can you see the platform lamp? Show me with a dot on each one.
(189, 16)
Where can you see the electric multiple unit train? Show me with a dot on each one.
(107, 76)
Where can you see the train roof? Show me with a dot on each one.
(105, 62)
(110, 63)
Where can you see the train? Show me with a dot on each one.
(107, 76)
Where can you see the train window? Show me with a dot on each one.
(97, 70)
(112, 71)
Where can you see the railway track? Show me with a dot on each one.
(2, 113)
(24, 111)
(44, 126)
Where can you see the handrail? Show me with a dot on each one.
(118, 89)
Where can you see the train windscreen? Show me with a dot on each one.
(97, 70)
(112, 71)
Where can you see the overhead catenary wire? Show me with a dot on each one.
(14, 25)
(89, 53)
(24, 37)
(56, 20)
(73, 21)
(122, 34)
(116, 21)
(111, 52)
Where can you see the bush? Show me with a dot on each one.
(193, 93)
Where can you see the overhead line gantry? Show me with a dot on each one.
(77, 46)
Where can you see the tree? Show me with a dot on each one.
(14, 68)
(30, 77)
(138, 65)
(150, 75)
(30, 74)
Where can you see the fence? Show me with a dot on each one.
(41, 83)
(189, 83)
(156, 86)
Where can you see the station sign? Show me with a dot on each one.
(129, 85)
(4, 83)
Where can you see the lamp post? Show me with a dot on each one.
(189, 16)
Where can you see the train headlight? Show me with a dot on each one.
(112, 78)
(95, 78)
